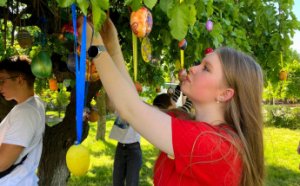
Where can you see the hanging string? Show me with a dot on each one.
(135, 57)
(80, 74)
(182, 58)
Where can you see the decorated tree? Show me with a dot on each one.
(262, 28)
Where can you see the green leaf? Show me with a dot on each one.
(192, 15)
(134, 4)
(166, 37)
(165, 5)
(83, 5)
(190, 1)
(210, 9)
(179, 21)
(3, 2)
(103, 4)
(65, 3)
(150, 3)
(98, 17)
(128, 2)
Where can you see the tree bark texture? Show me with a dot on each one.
(101, 106)
(52, 170)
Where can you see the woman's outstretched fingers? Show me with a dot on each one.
(110, 36)
(92, 36)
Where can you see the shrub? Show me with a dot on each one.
(282, 116)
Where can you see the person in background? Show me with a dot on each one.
(128, 155)
(163, 101)
(167, 103)
(22, 129)
(223, 145)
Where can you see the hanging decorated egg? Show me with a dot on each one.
(209, 25)
(53, 86)
(91, 72)
(138, 87)
(141, 22)
(182, 44)
(78, 160)
(24, 38)
(283, 75)
(41, 65)
(208, 51)
(146, 49)
(71, 62)
(93, 115)
(68, 31)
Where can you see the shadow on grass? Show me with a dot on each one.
(281, 176)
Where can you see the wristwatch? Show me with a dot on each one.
(95, 50)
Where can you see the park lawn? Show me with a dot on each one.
(282, 160)
(102, 156)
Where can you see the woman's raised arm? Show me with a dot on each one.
(151, 123)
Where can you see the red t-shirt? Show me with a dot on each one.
(202, 156)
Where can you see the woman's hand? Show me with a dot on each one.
(182, 74)
(110, 37)
(92, 38)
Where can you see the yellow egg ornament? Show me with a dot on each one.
(146, 49)
(78, 160)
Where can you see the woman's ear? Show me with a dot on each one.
(21, 80)
(226, 95)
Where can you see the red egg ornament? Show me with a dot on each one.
(141, 22)
(208, 51)
(182, 44)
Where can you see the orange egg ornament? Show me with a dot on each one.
(53, 84)
(93, 116)
(283, 75)
(91, 72)
(141, 22)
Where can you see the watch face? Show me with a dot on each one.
(93, 51)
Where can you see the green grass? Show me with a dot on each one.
(102, 156)
(282, 160)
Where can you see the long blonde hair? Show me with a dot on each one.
(244, 113)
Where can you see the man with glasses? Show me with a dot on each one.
(21, 131)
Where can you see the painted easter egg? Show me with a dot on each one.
(208, 51)
(146, 49)
(182, 44)
(209, 25)
(141, 22)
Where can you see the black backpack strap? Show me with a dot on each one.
(11, 168)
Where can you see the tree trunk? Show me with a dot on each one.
(101, 106)
(52, 170)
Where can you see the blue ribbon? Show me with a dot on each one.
(80, 75)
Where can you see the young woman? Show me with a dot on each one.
(22, 129)
(223, 145)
